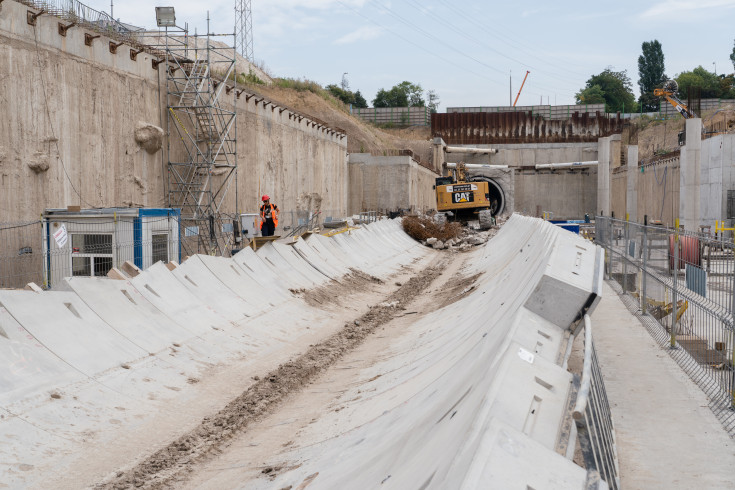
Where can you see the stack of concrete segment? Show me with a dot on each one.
(106, 344)
(475, 392)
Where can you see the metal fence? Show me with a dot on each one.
(398, 116)
(682, 284)
(593, 419)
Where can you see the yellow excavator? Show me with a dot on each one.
(454, 193)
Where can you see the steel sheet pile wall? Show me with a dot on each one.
(520, 127)
(447, 400)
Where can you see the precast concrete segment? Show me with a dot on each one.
(307, 253)
(262, 273)
(125, 309)
(169, 295)
(480, 376)
(326, 249)
(63, 323)
(291, 257)
(241, 282)
(293, 277)
(197, 278)
(26, 365)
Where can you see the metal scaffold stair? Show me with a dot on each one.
(202, 152)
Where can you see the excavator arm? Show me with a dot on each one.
(674, 100)
(668, 92)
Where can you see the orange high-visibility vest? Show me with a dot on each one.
(274, 215)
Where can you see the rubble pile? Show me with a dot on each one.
(436, 232)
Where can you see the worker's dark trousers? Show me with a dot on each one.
(269, 227)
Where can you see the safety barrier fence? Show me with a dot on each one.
(593, 419)
(681, 285)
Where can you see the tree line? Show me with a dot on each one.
(615, 90)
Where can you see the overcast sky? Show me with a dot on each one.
(464, 50)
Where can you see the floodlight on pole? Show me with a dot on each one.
(165, 17)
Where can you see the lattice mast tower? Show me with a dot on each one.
(244, 28)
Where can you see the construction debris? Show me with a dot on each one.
(436, 232)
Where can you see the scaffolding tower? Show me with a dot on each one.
(202, 142)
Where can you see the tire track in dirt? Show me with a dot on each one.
(172, 463)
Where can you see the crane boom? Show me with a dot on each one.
(519, 90)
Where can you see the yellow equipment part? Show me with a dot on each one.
(464, 195)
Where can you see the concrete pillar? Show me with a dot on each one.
(631, 199)
(438, 154)
(689, 180)
(603, 176)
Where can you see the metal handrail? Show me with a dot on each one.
(584, 389)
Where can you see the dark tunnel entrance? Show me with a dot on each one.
(497, 197)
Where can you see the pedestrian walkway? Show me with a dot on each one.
(667, 437)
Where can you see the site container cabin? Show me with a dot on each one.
(90, 242)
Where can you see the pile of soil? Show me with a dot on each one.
(421, 228)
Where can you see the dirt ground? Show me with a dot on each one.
(256, 456)
(660, 137)
(414, 291)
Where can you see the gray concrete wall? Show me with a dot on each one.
(391, 183)
(619, 193)
(567, 194)
(603, 177)
(658, 191)
(717, 177)
(95, 98)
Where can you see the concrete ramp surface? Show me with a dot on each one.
(470, 393)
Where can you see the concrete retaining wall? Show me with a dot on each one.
(568, 194)
(389, 183)
(95, 99)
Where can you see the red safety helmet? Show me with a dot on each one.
(265, 198)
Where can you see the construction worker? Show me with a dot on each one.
(268, 217)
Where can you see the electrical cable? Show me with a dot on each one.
(50, 122)
(416, 44)
(443, 42)
(484, 45)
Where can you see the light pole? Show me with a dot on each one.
(715, 67)
(344, 80)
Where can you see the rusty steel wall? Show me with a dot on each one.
(521, 127)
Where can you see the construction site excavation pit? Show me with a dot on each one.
(352, 361)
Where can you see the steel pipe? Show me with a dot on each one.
(552, 166)
(461, 149)
(478, 165)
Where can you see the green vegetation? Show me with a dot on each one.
(405, 94)
(709, 84)
(615, 89)
(251, 78)
(651, 74)
(347, 96)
